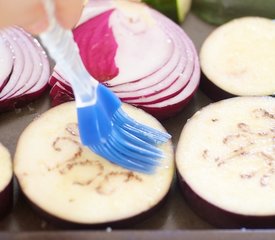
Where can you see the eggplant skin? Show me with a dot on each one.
(6, 200)
(213, 91)
(119, 224)
(219, 217)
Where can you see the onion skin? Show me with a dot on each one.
(120, 224)
(213, 91)
(220, 217)
(6, 200)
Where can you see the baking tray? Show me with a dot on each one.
(175, 220)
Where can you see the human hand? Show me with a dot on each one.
(31, 15)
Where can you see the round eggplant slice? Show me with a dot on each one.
(6, 183)
(237, 59)
(226, 162)
(74, 187)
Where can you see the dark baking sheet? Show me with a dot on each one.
(175, 220)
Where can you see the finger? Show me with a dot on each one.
(68, 12)
(38, 26)
(18, 12)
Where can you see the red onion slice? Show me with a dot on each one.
(58, 86)
(136, 57)
(30, 73)
(60, 94)
(19, 64)
(149, 91)
(184, 95)
(35, 57)
(31, 58)
(61, 90)
(57, 78)
(157, 62)
(41, 83)
(180, 39)
(175, 82)
(163, 78)
(180, 83)
(169, 72)
(6, 62)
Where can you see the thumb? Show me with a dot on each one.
(68, 12)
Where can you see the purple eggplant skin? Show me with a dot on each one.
(6, 200)
(219, 217)
(118, 224)
(213, 91)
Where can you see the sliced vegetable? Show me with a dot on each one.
(60, 94)
(225, 162)
(141, 55)
(183, 77)
(169, 107)
(237, 59)
(6, 63)
(6, 182)
(27, 78)
(81, 189)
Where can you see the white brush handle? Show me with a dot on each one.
(63, 49)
